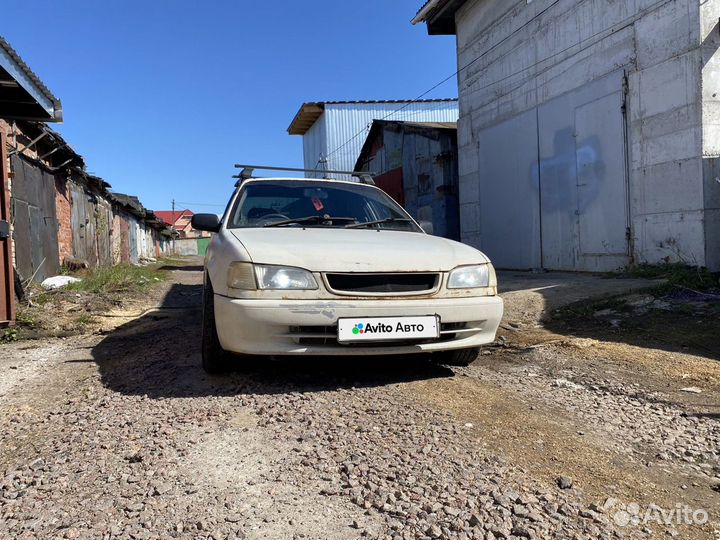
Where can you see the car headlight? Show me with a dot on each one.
(282, 277)
(241, 276)
(469, 277)
(250, 277)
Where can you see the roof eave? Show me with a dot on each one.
(306, 116)
(439, 16)
(11, 62)
(425, 11)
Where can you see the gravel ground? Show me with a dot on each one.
(122, 435)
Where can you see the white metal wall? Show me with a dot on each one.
(315, 144)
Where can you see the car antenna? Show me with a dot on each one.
(246, 173)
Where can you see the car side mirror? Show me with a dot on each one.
(206, 222)
(426, 226)
(4, 230)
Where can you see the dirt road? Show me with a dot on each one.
(121, 434)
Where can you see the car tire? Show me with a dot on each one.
(214, 357)
(457, 357)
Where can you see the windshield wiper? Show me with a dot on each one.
(376, 222)
(308, 219)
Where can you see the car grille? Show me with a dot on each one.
(327, 335)
(383, 284)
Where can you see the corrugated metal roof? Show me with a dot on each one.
(131, 202)
(310, 111)
(34, 79)
(390, 101)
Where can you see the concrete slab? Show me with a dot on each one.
(529, 296)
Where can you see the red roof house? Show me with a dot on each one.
(180, 221)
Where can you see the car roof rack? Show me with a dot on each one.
(247, 172)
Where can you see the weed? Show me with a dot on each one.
(84, 319)
(24, 319)
(123, 278)
(584, 310)
(675, 274)
(9, 335)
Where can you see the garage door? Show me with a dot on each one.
(509, 197)
(34, 221)
(601, 186)
(553, 183)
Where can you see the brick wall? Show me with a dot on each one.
(63, 207)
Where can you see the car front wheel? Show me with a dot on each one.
(214, 357)
(457, 357)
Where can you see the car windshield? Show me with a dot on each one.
(317, 204)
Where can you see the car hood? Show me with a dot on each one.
(353, 250)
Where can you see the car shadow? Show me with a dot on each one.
(158, 355)
(593, 306)
(690, 326)
(192, 268)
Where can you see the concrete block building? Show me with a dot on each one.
(589, 130)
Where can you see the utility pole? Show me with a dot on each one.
(172, 226)
(323, 164)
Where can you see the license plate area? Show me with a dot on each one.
(374, 329)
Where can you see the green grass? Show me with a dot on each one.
(122, 278)
(24, 319)
(84, 319)
(675, 274)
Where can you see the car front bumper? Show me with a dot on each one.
(289, 327)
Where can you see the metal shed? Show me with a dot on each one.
(417, 165)
(334, 131)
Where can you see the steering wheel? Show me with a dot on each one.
(267, 217)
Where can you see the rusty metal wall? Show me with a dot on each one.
(92, 220)
(124, 239)
(34, 221)
(133, 239)
(115, 236)
(103, 232)
(78, 221)
(90, 230)
(420, 171)
(430, 179)
(7, 294)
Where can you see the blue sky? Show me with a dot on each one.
(162, 97)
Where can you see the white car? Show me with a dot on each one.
(328, 267)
